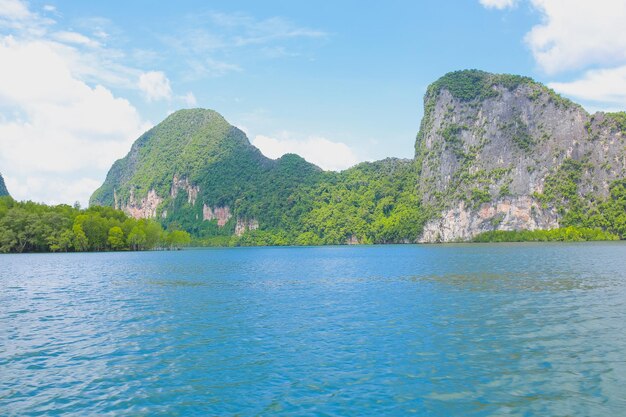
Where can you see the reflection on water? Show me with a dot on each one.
(519, 329)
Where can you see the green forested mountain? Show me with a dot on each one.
(196, 172)
(495, 153)
(3, 187)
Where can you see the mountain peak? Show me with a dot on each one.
(477, 85)
(196, 114)
(181, 145)
(473, 84)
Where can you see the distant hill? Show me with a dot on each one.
(3, 187)
(495, 153)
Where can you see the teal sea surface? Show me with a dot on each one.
(432, 330)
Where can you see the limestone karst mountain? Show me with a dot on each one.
(494, 152)
(503, 152)
(200, 172)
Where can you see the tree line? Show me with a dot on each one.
(33, 227)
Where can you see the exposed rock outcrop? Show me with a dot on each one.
(353, 240)
(145, 208)
(244, 225)
(183, 184)
(463, 223)
(221, 214)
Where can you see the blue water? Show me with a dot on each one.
(472, 330)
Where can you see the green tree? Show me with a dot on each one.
(178, 238)
(137, 238)
(63, 242)
(116, 238)
(80, 241)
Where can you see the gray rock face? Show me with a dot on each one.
(485, 161)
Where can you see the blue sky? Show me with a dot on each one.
(338, 82)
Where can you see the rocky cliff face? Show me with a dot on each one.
(489, 145)
(3, 187)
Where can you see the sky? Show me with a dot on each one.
(336, 82)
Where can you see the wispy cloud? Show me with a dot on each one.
(273, 27)
(15, 16)
(212, 41)
(75, 38)
(209, 68)
(499, 4)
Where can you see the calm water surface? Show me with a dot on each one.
(474, 330)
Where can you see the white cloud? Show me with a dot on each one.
(582, 38)
(59, 190)
(320, 151)
(66, 133)
(603, 86)
(155, 85)
(60, 127)
(498, 4)
(14, 9)
(577, 34)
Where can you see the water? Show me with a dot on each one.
(473, 330)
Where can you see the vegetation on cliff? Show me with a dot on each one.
(468, 85)
(373, 202)
(564, 234)
(32, 227)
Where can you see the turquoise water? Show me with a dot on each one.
(473, 330)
